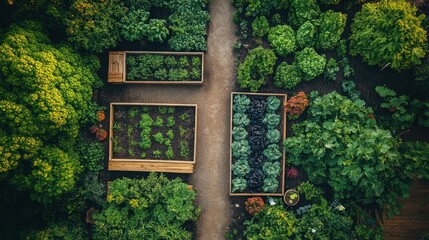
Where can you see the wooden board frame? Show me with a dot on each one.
(117, 71)
(284, 96)
(152, 165)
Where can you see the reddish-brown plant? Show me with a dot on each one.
(101, 135)
(297, 105)
(254, 205)
(292, 172)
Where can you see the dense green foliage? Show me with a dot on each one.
(253, 72)
(45, 93)
(260, 27)
(310, 63)
(341, 145)
(150, 208)
(156, 67)
(61, 230)
(331, 26)
(287, 76)
(133, 24)
(282, 39)
(416, 155)
(389, 32)
(301, 11)
(306, 35)
(95, 25)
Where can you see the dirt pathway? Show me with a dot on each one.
(211, 179)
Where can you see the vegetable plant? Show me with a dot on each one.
(282, 39)
(310, 63)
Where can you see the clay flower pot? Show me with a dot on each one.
(100, 116)
(291, 197)
(101, 135)
(94, 129)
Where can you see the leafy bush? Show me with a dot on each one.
(45, 94)
(306, 35)
(156, 30)
(150, 208)
(260, 27)
(287, 76)
(341, 145)
(188, 25)
(310, 191)
(254, 205)
(416, 154)
(403, 109)
(349, 88)
(326, 223)
(271, 223)
(296, 105)
(389, 32)
(91, 155)
(133, 24)
(184, 149)
(301, 11)
(282, 39)
(59, 230)
(259, 63)
(310, 63)
(330, 1)
(331, 26)
(331, 69)
(94, 25)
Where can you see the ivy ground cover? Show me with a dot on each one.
(257, 132)
(156, 132)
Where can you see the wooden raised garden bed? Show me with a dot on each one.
(153, 137)
(147, 67)
(257, 132)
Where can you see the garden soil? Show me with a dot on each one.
(211, 178)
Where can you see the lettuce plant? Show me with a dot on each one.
(272, 152)
(239, 133)
(287, 76)
(273, 103)
(272, 169)
(239, 184)
(270, 185)
(282, 39)
(273, 135)
(272, 120)
(240, 119)
(240, 168)
(310, 63)
(240, 148)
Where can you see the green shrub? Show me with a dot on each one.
(156, 30)
(270, 223)
(150, 208)
(306, 35)
(133, 24)
(389, 32)
(258, 64)
(310, 63)
(339, 144)
(282, 39)
(260, 27)
(94, 25)
(331, 26)
(301, 11)
(59, 230)
(332, 2)
(184, 149)
(331, 69)
(287, 76)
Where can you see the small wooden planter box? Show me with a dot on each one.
(283, 98)
(152, 165)
(118, 67)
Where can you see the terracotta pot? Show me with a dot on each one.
(94, 129)
(101, 116)
(291, 197)
(101, 135)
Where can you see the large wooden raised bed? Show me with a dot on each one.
(120, 161)
(282, 129)
(117, 71)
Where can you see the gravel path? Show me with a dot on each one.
(211, 179)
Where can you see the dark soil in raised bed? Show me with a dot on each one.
(121, 116)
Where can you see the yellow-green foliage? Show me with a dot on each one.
(389, 32)
(45, 91)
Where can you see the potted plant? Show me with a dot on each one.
(291, 197)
